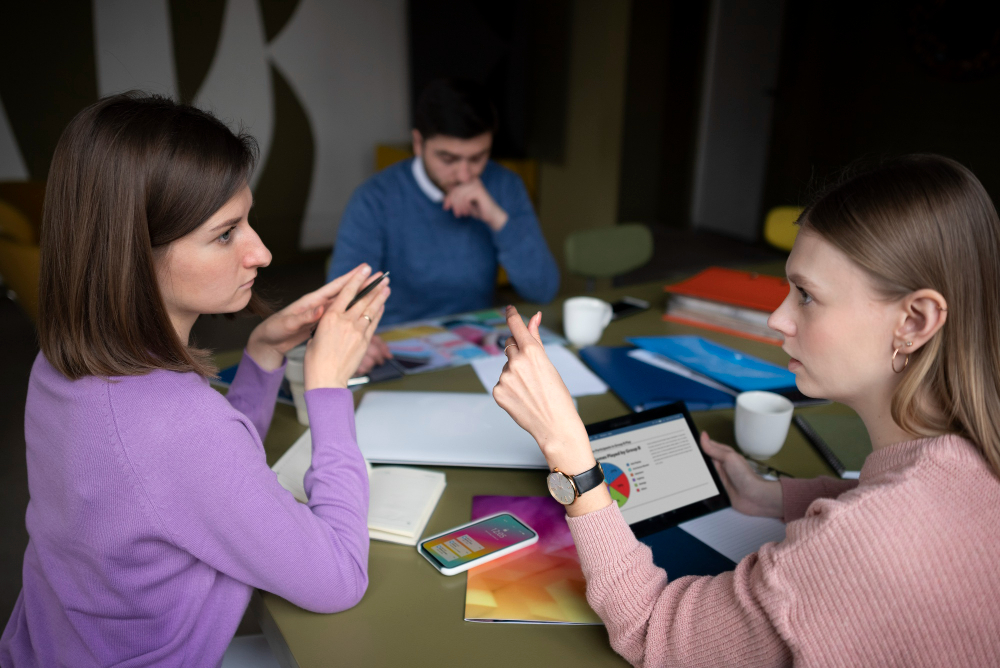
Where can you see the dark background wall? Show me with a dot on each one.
(663, 87)
(518, 50)
(857, 81)
(868, 79)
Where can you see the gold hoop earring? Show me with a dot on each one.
(905, 362)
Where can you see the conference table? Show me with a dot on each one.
(412, 615)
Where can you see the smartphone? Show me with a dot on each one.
(368, 288)
(627, 306)
(476, 543)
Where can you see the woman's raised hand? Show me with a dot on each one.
(532, 392)
(749, 493)
(342, 336)
(282, 331)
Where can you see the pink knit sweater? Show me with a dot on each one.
(903, 570)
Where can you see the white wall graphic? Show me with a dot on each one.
(346, 61)
(237, 88)
(12, 166)
(133, 47)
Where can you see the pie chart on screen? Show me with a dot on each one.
(617, 483)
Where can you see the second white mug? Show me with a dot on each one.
(584, 320)
(762, 421)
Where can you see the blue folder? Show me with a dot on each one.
(643, 386)
(732, 368)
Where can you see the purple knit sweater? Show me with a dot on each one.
(153, 514)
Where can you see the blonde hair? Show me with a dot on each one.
(924, 221)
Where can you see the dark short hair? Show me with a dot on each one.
(454, 108)
(130, 174)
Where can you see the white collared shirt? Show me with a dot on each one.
(424, 182)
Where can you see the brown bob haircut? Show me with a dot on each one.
(925, 221)
(130, 174)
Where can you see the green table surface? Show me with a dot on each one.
(411, 615)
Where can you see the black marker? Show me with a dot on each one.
(368, 288)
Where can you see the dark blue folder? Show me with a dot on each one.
(643, 386)
(679, 554)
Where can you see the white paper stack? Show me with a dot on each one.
(442, 429)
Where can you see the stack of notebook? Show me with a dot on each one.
(401, 501)
(729, 301)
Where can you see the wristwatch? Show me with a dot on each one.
(566, 488)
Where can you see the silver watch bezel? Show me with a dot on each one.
(562, 486)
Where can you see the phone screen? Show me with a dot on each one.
(624, 307)
(477, 540)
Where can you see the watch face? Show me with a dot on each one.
(561, 488)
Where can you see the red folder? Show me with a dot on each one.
(739, 288)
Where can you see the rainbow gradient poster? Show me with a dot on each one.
(541, 584)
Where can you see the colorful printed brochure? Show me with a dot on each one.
(544, 584)
(541, 584)
(440, 343)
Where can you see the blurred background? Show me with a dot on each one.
(692, 118)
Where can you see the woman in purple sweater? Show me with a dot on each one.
(153, 513)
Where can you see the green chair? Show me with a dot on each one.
(606, 252)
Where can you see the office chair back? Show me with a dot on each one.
(606, 252)
(19, 258)
(780, 229)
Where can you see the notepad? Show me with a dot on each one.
(401, 500)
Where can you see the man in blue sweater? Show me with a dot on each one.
(443, 222)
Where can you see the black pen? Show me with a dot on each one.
(368, 288)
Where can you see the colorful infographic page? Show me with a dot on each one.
(462, 546)
(653, 468)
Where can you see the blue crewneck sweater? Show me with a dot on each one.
(442, 264)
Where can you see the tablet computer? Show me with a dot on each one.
(655, 469)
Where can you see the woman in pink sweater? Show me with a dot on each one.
(894, 310)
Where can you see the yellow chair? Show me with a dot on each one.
(19, 258)
(780, 229)
(390, 154)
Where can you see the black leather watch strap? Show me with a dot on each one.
(588, 480)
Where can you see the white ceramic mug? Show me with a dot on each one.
(584, 320)
(296, 374)
(762, 421)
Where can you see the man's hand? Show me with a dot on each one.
(472, 199)
(378, 353)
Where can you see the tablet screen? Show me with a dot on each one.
(654, 467)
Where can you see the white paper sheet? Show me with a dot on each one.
(733, 534)
(443, 429)
(668, 364)
(580, 381)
